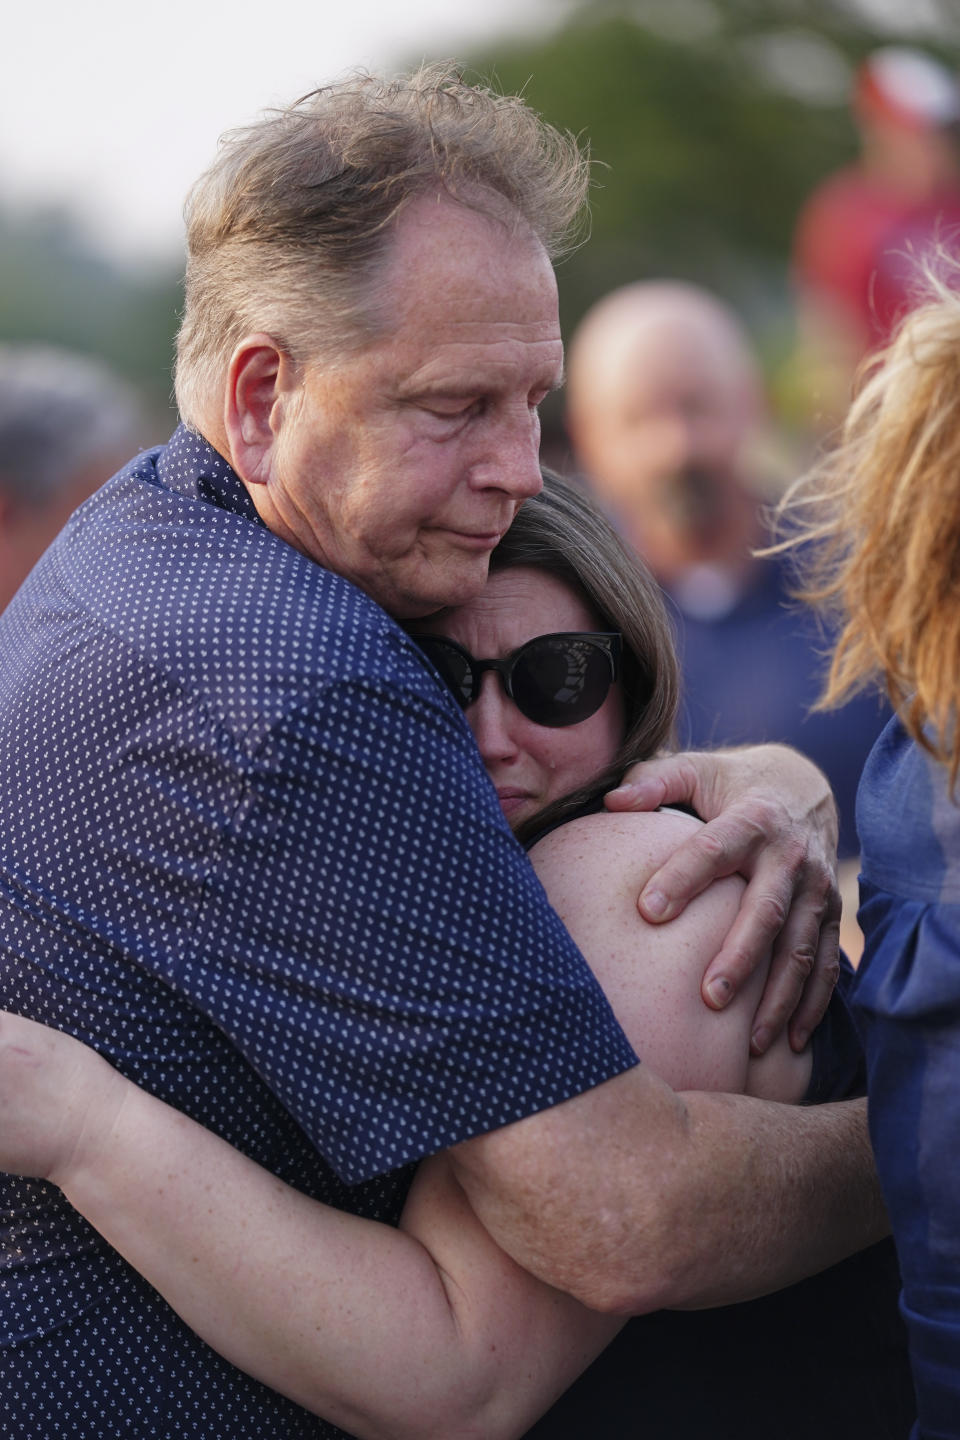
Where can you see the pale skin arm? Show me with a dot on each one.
(771, 818)
(431, 1330)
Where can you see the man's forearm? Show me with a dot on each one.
(815, 1195)
(636, 1202)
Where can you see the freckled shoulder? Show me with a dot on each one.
(593, 870)
(607, 847)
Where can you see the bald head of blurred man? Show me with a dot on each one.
(664, 406)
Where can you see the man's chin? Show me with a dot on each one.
(456, 586)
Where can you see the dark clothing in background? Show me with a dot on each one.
(752, 673)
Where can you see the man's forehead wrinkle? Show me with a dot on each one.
(453, 319)
(495, 354)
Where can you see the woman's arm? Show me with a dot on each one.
(429, 1330)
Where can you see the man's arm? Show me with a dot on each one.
(634, 1198)
(771, 818)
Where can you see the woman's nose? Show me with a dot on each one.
(491, 718)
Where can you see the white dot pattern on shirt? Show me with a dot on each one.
(249, 852)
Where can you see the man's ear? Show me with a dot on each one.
(261, 378)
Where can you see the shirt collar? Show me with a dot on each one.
(190, 466)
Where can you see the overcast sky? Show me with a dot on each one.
(115, 108)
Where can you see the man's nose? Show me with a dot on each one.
(511, 461)
(491, 718)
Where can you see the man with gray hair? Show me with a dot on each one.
(249, 850)
(66, 423)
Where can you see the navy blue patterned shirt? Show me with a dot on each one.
(249, 852)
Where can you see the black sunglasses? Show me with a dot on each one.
(553, 680)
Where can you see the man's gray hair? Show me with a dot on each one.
(60, 413)
(285, 230)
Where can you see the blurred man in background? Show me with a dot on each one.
(666, 414)
(66, 424)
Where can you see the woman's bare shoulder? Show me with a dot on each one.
(593, 870)
(609, 843)
(595, 867)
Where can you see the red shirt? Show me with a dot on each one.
(858, 243)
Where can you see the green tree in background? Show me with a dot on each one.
(710, 123)
(56, 290)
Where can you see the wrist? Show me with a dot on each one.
(94, 1105)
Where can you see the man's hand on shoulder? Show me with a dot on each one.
(770, 817)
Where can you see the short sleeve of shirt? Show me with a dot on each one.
(247, 801)
(394, 971)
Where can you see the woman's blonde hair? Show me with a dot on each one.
(883, 511)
